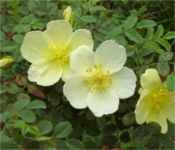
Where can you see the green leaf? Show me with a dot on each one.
(153, 46)
(43, 138)
(88, 19)
(5, 116)
(45, 126)
(163, 68)
(28, 19)
(7, 143)
(159, 32)
(75, 144)
(134, 36)
(63, 129)
(23, 96)
(169, 35)
(27, 129)
(19, 124)
(22, 28)
(171, 82)
(11, 48)
(130, 22)
(13, 89)
(27, 116)
(89, 142)
(4, 137)
(164, 43)
(36, 104)
(21, 103)
(121, 40)
(166, 56)
(114, 32)
(149, 33)
(18, 38)
(33, 130)
(146, 24)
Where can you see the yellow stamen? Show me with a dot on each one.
(159, 97)
(97, 78)
(58, 55)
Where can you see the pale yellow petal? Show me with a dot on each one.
(67, 74)
(44, 74)
(102, 103)
(76, 92)
(59, 32)
(81, 59)
(142, 108)
(34, 46)
(124, 82)
(111, 55)
(150, 79)
(159, 118)
(81, 37)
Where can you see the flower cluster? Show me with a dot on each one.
(96, 79)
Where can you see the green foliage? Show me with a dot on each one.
(130, 22)
(36, 104)
(32, 117)
(134, 36)
(171, 82)
(169, 35)
(21, 103)
(45, 127)
(63, 129)
(27, 116)
(146, 24)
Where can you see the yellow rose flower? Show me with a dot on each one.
(156, 103)
(100, 78)
(49, 51)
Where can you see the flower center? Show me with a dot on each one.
(58, 55)
(97, 78)
(159, 98)
(61, 57)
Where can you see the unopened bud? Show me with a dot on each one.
(67, 13)
(5, 61)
